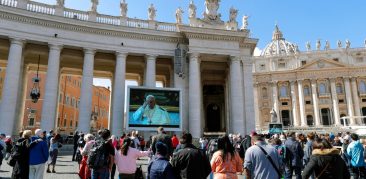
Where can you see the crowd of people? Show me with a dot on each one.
(100, 155)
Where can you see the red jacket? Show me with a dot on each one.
(175, 141)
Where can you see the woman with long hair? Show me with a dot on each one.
(85, 171)
(325, 162)
(125, 159)
(54, 145)
(226, 162)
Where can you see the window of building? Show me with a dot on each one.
(96, 109)
(78, 104)
(362, 87)
(283, 91)
(359, 60)
(73, 102)
(33, 111)
(70, 123)
(339, 88)
(306, 91)
(307, 102)
(60, 98)
(159, 84)
(76, 123)
(303, 63)
(264, 92)
(281, 65)
(31, 121)
(364, 100)
(341, 101)
(284, 103)
(64, 122)
(322, 88)
(335, 59)
(67, 100)
(262, 66)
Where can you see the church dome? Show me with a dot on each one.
(279, 46)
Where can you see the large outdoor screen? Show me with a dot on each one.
(149, 108)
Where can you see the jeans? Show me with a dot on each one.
(102, 173)
(358, 172)
(290, 170)
(36, 171)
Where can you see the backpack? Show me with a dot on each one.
(98, 156)
(211, 148)
(282, 152)
(244, 145)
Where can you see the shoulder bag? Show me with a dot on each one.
(271, 161)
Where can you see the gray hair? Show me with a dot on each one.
(89, 137)
(149, 96)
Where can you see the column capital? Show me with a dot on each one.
(313, 81)
(332, 80)
(151, 56)
(274, 83)
(194, 57)
(292, 82)
(353, 79)
(89, 51)
(346, 78)
(299, 80)
(121, 54)
(18, 41)
(235, 58)
(55, 46)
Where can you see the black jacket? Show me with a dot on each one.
(164, 138)
(191, 163)
(21, 157)
(319, 160)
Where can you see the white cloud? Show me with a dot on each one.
(257, 51)
(102, 82)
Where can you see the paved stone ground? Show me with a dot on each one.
(65, 168)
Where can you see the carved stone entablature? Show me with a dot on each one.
(87, 27)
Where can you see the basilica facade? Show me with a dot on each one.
(214, 75)
(320, 87)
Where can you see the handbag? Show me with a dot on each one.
(138, 173)
(12, 162)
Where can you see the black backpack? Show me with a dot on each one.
(98, 157)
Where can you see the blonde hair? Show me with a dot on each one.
(27, 133)
(89, 137)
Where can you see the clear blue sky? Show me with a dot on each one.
(299, 20)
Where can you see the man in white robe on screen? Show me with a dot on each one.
(151, 114)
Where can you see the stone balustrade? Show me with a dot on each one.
(11, 3)
(38, 7)
(76, 14)
(41, 8)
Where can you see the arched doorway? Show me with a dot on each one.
(309, 120)
(285, 115)
(213, 118)
(325, 116)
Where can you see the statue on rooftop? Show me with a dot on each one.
(123, 7)
(192, 10)
(60, 3)
(152, 12)
(273, 116)
(348, 44)
(308, 46)
(178, 15)
(327, 45)
(211, 13)
(94, 5)
(233, 14)
(245, 22)
(339, 44)
(318, 44)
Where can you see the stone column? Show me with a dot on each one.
(301, 103)
(195, 96)
(314, 92)
(49, 108)
(258, 119)
(249, 99)
(356, 99)
(294, 104)
(11, 87)
(275, 101)
(118, 98)
(335, 102)
(236, 97)
(86, 91)
(150, 75)
(349, 100)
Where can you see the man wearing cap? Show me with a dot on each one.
(160, 168)
(151, 113)
(355, 152)
(38, 155)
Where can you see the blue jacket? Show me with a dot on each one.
(308, 151)
(160, 168)
(38, 153)
(355, 151)
(296, 151)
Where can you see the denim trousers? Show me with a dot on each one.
(102, 173)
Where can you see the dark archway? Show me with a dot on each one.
(325, 112)
(285, 115)
(310, 120)
(213, 118)
(364, 114)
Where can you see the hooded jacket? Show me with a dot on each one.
(326, 164)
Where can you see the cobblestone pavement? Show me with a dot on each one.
(65, 168)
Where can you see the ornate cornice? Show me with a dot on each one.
(89, 27)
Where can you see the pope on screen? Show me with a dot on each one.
(151, 113)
